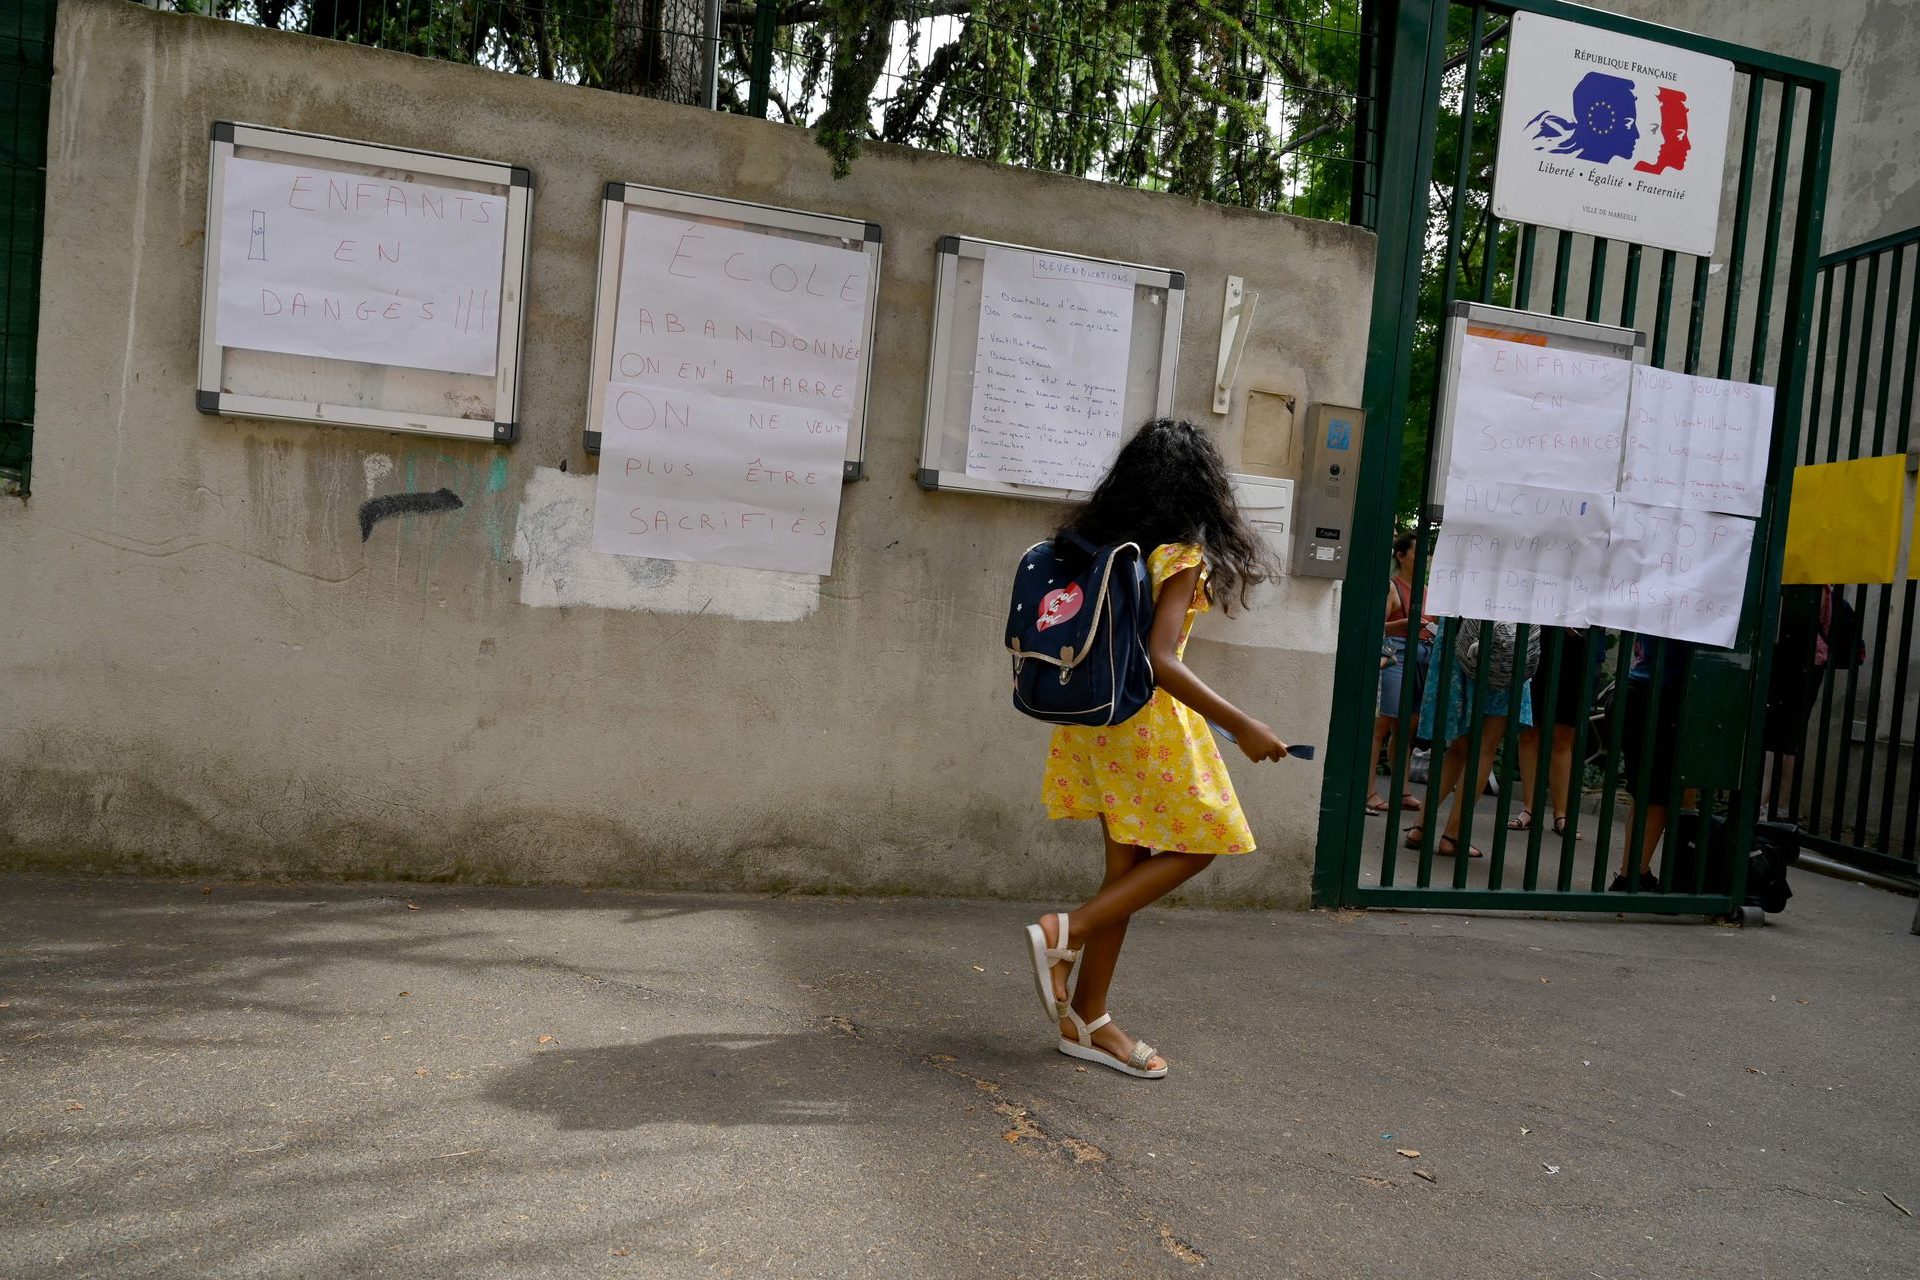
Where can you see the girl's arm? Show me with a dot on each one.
(1170, 673)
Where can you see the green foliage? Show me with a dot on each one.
(1245, 102)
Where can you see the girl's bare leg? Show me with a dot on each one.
(1382, 736)
(1135, 879)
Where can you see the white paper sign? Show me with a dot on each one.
(1675, 573)
(735, 365)
(1698, 443)
(1050, 371)
(1535, 415)
(1515, 553)
(1612, 135)
(318, 262)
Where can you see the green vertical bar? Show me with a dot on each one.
(766, 29)
(1503, 767)
(1743, 204)
(1837, 418)
(1776, 203)
(1577, 784)
(1663, 309)
(1643, 776)
(1596, 279)
(1616, 739)
(1870, 300)
(1418, 48)
(1562, 270)
(1818, 383)
(1523, 269)
(1696, 315)
(1543, 724)
(1476, 721)
(1462, 168)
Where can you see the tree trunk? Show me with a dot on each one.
(657, 48)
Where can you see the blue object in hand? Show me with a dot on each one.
(1295, 750)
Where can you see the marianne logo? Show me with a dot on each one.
(1615, 118)
(1610, 135)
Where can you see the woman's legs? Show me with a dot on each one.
(1529, 750)
(1560, 770)
(1134, 879)
(1492, 730)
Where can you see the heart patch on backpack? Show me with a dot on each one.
(1057, 606)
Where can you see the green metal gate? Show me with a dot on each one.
(1854, 791)
(1745, 317)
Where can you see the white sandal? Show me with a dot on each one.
(1044, 958)
(1136, 1062)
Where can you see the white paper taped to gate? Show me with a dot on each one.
(1675, 573)
(735, 365)
(1050, 371)
(1538, 415)
(1699, 443)
(322, 262)
(1517, 553)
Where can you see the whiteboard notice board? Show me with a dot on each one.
(740, 281)
(354, 284)
(1140, 361)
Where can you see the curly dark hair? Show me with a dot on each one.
(1170, 484)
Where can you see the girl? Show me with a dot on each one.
(1156, 782)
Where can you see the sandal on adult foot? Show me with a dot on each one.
(1044, 958)
(1521, 821)
(1448, 847)
(1135, 1063)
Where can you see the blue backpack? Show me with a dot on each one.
(1078, 628)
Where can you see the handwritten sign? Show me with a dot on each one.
(1050, 371)
(1534, 415)
(1517, 553)
(1698, 443)
(320, 262)
(735, 359)
(1675, 573)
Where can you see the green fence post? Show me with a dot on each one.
(1417, 43)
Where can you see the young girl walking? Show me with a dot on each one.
(1157, 782)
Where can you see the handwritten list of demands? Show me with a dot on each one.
(1697, 443)
(1050, 371)
(736, 360)
(1515, 553)
(318, 262)
(1530, 415)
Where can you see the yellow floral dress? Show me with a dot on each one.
(1158, 778)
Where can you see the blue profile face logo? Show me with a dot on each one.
(1605, 124)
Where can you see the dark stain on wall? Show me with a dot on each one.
(374, 510)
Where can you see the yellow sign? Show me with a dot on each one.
(1844, 524)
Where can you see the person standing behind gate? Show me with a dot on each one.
(1577, 656)
(1449, 722)
(1403, 663)
(1655, 759)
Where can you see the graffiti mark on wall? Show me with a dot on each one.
(374, 510)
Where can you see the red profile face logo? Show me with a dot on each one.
(1674, 144)
(1057, 606)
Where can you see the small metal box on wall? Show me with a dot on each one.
(1323, 502)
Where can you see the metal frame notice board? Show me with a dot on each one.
(821, 228)
(1152, 360)
(327, 391)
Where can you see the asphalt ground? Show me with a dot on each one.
(397, 1081)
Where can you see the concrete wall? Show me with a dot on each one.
(205, 667)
